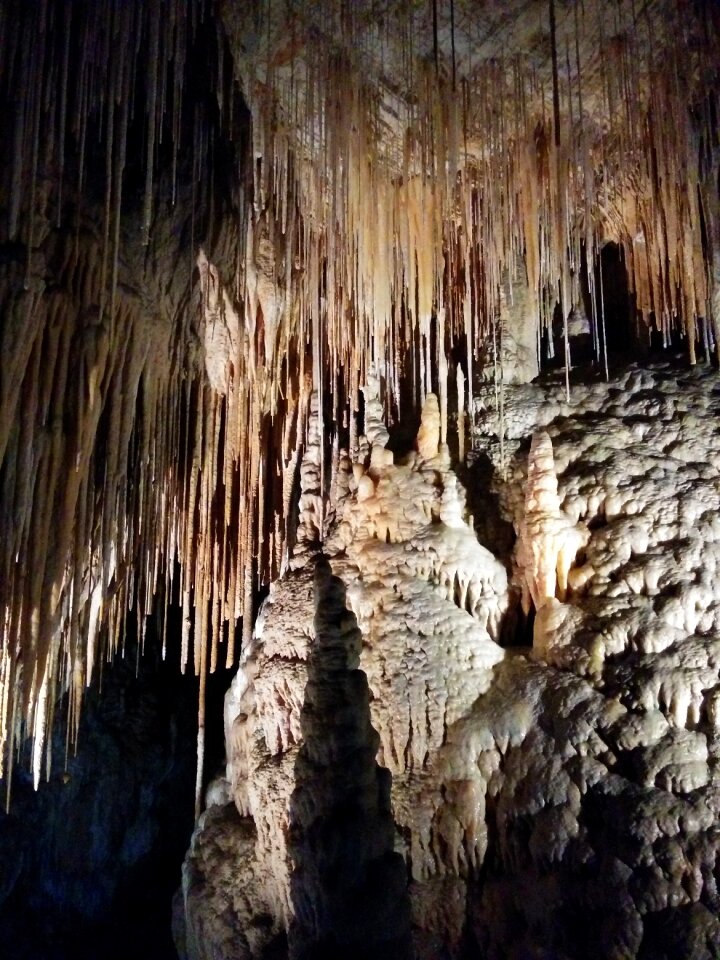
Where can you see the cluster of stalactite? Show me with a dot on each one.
(133, 448)
(103, 416)
(420, 203)
(151, 412)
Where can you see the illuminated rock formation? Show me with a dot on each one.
(348, 886)
(578, 772)
(615, 778)
(548, 542)
(428, 598)
(244, 245)
(428, 438)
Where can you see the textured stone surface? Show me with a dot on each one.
(560, 800)
(428, 599)
(604, 807)
(348, 885)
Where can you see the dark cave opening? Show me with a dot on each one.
(404, 414)
(613, 307)
(606, 306)
(90, 863)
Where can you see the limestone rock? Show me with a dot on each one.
(348, 886)
(548, 541)
(529, 788)
(375, 429)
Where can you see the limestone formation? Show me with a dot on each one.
(310, 507)
(243, 243)
(632, 670)
(575, 775)
(375, 429)
(348, 886)
(548, 540)
(428, 438)
(428, 598)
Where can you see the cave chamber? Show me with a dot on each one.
(359, 479)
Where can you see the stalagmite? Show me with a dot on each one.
(428, 438)
(375, 429)
(548, 540)
(348, 885)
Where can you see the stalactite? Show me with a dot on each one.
(461, 415)
(376, 220)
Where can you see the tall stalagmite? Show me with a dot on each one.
(348, 886)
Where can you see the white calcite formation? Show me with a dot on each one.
(310, 507)
(428, 438)
(512, 353)
(429, 601)
(375, 429)
(599, 747)
(263, 736)
(212, 920)
(548, 540)
(559, 800)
